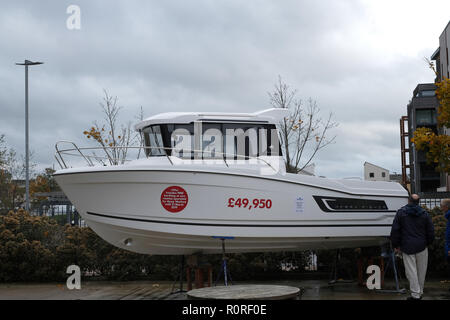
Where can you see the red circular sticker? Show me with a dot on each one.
(174, 199)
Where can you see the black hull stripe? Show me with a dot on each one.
(241, 225)
(239, 175)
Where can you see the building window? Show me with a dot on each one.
(371, 175)
(428, 93)
(425, 117)
(428, 171)
(383, 174)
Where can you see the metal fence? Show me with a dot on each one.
(432, 199)
(59, 207)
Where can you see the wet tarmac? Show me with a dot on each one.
(163, 290)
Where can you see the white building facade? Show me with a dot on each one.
(375, 173)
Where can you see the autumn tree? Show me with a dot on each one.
(113, 139)
(303, 133)
(12, 172)
(437, 145)
(5, 176)
(44, 182)
(12, 176)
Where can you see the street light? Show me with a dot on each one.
(27, 156)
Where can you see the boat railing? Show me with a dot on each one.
(111, 156)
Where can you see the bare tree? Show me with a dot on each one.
(304, 132)
(113, 139)
(140, 137)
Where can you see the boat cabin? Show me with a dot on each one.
(212, 135)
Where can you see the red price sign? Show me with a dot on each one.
(249, 204)
(174, 199)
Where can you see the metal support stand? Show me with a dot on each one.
(180, 278)
(334, 275)
(392, 262)
(224, 270)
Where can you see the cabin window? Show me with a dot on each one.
(153, 141)
(242, 141)
(212, 141)
(182, 142)
(217, 140)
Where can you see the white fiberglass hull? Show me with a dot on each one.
(182, 211)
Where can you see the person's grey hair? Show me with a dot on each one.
(446, 202)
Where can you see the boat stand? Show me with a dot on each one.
(392, 262)
(334, 271)
(179, 278)
(224, 270)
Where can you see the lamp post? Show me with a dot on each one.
(27, 156)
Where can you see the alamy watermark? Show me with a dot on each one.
(74, 280)
(374, 280)
(73, 22)
(237, 145)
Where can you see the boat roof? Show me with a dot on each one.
(273, 116)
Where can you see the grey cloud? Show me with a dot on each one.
(201, 55)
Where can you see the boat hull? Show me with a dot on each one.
(185, 212)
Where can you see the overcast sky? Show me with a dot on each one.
(360, 60)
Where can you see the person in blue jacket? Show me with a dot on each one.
(445, 207)
(411, 234)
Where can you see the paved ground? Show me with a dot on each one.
(150, 290)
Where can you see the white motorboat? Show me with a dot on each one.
(212, 176)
